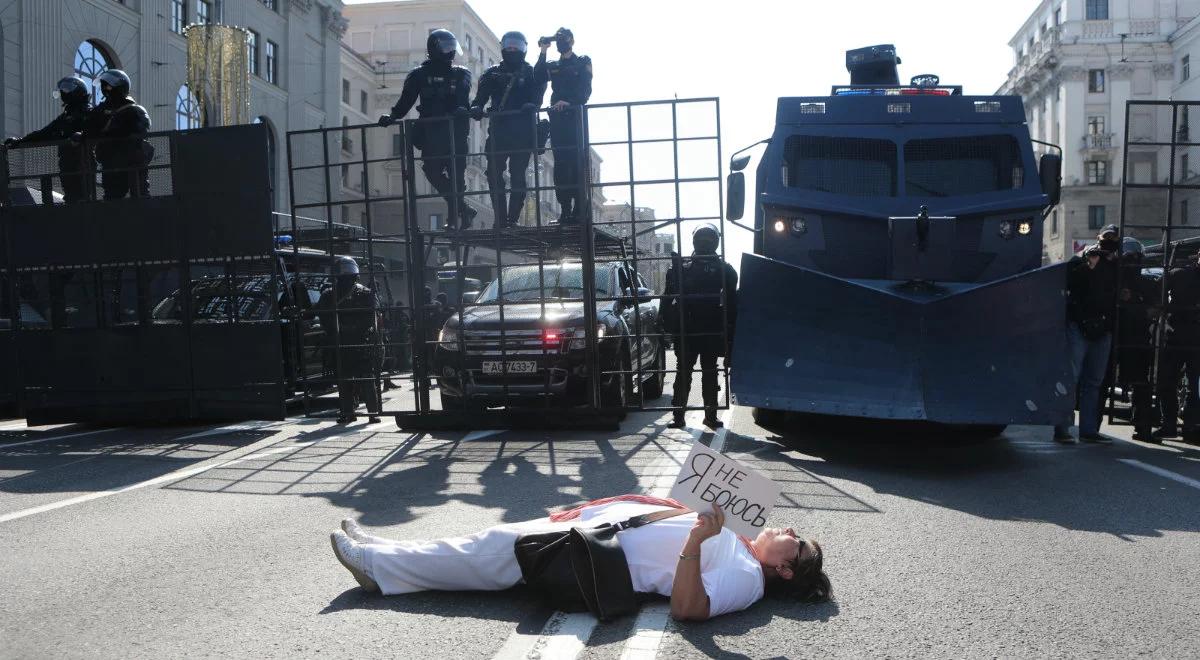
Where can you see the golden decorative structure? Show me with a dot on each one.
(218, 73)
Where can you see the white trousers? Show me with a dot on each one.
(484, 561)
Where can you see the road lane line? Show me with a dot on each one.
(1187, 481)
(652, 621)
(166, 478)
(58, 437)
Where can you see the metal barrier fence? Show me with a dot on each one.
(538, 313)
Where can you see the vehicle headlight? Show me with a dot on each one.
(448, 338)
(579, 341)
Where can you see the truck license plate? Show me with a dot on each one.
(522, 367)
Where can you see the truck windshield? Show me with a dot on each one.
(947, 167)
(521, 284)
(857, 167)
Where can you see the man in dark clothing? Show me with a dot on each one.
(347, 311)
(444, 91)
(700, 298)
(119, 126)
(1091, 290)
(1135, 349)
(75, 98)
(1181, 355)
(508, 87)
(570, 79)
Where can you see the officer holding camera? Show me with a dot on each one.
(570, 79)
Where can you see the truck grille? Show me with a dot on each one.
(486, 343)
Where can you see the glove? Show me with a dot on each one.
(12, 142)
(387, 120)
(461, 112)
(76, 137)
(477, 112)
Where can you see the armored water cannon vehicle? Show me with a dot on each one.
(904, 221)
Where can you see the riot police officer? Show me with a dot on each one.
(1134, 350)
(700, 296)
(444, 90)
(1181, 355)
(120, 125)
(509, 86)
(347, 311)
(75, 98)
(570, 79)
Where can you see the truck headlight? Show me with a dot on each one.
(448, 338)
(579, 340)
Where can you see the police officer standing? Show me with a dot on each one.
(74, 95)
(700, 296)
(1181, 355)
(570, 79)
(509, 86)
(347, 311)
(444, 90)
(120, 125)
(1135, 350)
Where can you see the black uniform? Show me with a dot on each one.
(352, 330)
(120, 126)
(511, 138)
(571, 81)
(70, 156)
(694, 320)
(1135, 349)
(444, 90)
(1182, 353)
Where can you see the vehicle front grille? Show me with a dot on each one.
(487, 343)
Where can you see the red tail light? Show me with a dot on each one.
(552, 337)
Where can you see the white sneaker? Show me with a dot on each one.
(351, 555)
(360, 535)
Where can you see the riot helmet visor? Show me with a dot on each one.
(514, 41)
(443, 45)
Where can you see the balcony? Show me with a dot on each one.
(1097, 142)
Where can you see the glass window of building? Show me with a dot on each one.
(187, 110)
(1096, 10)
(178, 15)
(1096, 80)
(1097, 172)
(91, 61)
(1095, 217)
(252, 51)
(272, 62)
(204, 11)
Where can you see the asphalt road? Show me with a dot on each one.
(213, 542)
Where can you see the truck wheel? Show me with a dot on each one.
(616, 394)
(766, 417)
(653, 388)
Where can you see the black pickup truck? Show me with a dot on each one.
(544, 349)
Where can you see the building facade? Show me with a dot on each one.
(1077, 63)
(294, 60)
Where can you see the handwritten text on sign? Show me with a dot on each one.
(745, 496)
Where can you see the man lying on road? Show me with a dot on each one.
(705, 569)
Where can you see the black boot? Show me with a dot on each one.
(677, 420)
(1144, 434)
(710, 419)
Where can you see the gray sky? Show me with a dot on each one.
(751, 52)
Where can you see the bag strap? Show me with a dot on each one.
(647, 518)
(511, 80)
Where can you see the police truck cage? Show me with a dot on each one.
(541, 322)
(907, 220)
(1157, 327)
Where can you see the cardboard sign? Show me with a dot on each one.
(745, 496)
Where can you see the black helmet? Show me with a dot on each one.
(72, 91)
(442, 46)
(1132, 249)
(345, 266)
(514, 40)
(114, 83)
(706, 238)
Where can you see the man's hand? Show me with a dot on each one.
(387, 120)
(544, 45)
(560, 106)
(12, 142)
(707, 525)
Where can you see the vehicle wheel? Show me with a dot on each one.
(767, 417)
(653, 388)
(616, 394)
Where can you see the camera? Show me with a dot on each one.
(545, 41)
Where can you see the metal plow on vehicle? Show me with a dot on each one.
(976, 353)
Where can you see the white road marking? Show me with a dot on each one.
(166, 478)
(35, 441)
(1187, 481)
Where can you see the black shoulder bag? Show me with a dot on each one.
(583, 569)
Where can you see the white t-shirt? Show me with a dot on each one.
(732, 577)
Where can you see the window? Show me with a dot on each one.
(187, 110)
(1097, 172)
(470, 43)
(1185, 67)
(345, 91)
(1057, 16)
(272, 62)
(90, 62)
(1097, 10)
(1183, 212)
(1095, 217)
(1096, 125)
(1184, 166)
(856, 167)
(252, 51)
(273, 5)
(204, 13)
(435, 222)
(948, 167)
(362, 101)
(1096, 80)
(1054, 222)
(178, 15)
